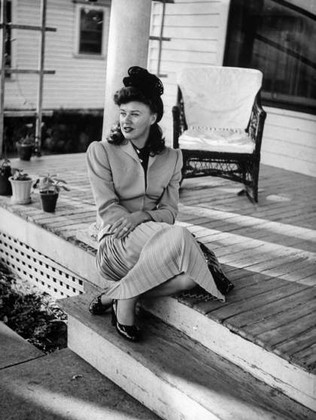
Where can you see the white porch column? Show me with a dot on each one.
(128, 46)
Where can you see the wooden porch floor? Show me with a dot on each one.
(267, 249)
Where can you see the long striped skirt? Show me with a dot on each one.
(150, 255)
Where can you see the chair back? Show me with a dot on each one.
(219, 97)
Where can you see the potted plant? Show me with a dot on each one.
(25, 147)
(21, 184)
(49, 187)
(5, 173)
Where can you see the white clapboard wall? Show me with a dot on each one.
(79, 80)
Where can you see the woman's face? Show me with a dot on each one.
(136, 119)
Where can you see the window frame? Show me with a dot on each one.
(105, 24)
(282, 100)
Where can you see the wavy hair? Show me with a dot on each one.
(156, 141)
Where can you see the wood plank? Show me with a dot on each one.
(300, 273)
(288, 267)
(271, 309)
(190, 45)
(310, 280)
(244, 278)
(246, 221)
(302, 341)
(278, 266)
(293, 313)
(272, 295)
(206, 33)
(189, 21)
(237, 296)
(307, 357)
(268, 236)
(192, 8)
(270, 339)
(68, 221)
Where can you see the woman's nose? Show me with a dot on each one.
(127, 118)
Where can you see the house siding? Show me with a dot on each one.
(198, 31)
(78, 82)
(289, 141)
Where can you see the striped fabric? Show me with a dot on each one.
(149, 256)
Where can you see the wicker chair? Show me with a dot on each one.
(218, 124)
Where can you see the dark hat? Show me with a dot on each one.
(148, 84)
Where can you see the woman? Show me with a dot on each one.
(135, 181)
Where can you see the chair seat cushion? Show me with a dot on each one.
(216, 140)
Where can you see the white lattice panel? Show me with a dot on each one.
(39, 270)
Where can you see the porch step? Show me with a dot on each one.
(173, 375)
(256, 358)
(267, 325)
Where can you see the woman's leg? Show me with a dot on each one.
(165, 255)
(177, 284)
(126, 307)
(126, 311)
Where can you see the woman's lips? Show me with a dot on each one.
(127, 129)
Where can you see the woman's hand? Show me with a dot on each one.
(123, 226)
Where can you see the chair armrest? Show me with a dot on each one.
(256, 123)
(176, 126)
(179, 121)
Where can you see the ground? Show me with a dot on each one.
(32, 314)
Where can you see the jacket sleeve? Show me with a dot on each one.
(167, 208)
(100, 177)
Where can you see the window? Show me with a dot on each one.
(279, 39)
(91, 28)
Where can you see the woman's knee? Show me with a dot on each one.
(185, 282)
(181, 233)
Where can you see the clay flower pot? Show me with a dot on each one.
(5, 185)
(49, 201)
(49, 187)
(21, 190)
(25, 151)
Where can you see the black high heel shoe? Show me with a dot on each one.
(96, 306)
(129, 332)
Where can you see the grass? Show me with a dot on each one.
(34, 315)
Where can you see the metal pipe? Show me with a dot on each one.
(38, 129)
(2, 79)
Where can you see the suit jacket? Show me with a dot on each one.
(118, 182)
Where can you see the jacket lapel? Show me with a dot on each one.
(129, 149)
(151, 160)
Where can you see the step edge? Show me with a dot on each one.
(189, 405)
(218, 339)
(260, 363)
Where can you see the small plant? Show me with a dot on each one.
(26, 136)
(49, 187)
(28, 140)
(31, 313)
(50, 184)
(26, 143)
(20, 175)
